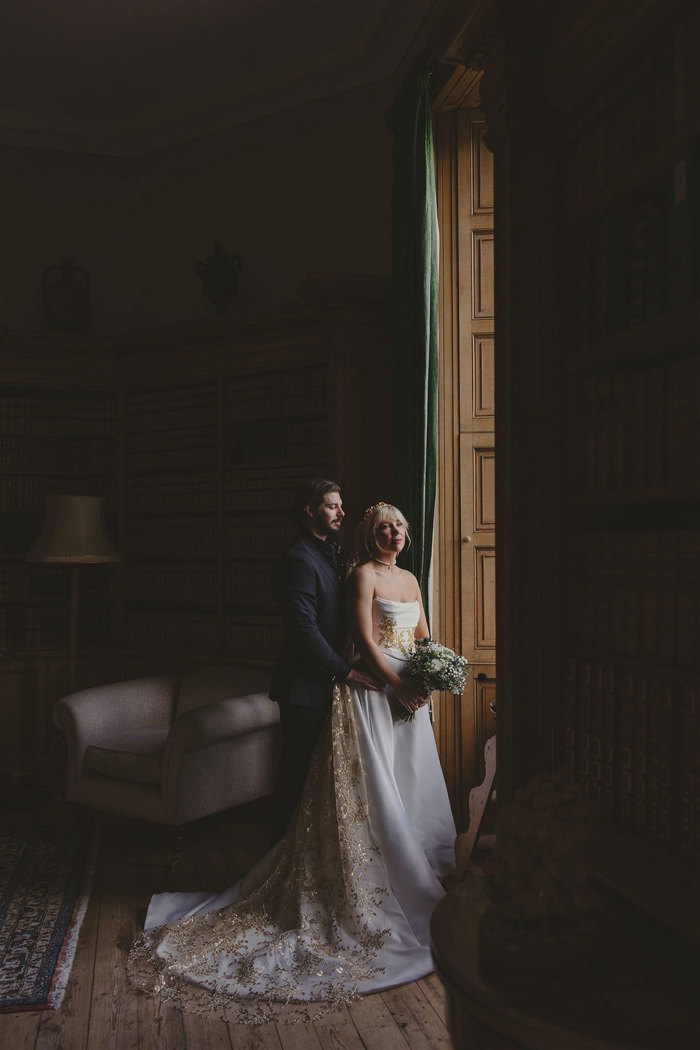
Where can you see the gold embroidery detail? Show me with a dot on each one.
(391, 636)
(317, 913)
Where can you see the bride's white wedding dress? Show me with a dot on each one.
(341, 906)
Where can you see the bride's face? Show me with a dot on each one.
(390, 536)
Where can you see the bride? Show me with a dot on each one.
(341, 906)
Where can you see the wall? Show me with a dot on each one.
(306, 189)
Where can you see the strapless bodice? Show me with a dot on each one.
(395, 624)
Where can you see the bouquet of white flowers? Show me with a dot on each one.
(431, 666)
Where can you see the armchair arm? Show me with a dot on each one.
(211, 724)
(87, 715)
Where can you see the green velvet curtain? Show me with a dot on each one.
(414, 314)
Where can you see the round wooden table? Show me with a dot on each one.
(632, 1001)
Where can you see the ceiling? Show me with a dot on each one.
(128, 76)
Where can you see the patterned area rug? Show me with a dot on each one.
(45, 874)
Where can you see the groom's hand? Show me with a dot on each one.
(361, 676)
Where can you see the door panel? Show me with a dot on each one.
(466, 540)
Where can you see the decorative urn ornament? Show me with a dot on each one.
(66, 296)
(219, 277)
(542, 927)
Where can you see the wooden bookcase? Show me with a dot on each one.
(210, 471)
(630, 344)
(52, 442)
(197, 435)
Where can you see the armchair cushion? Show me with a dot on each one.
(211, 723)
(135, 755)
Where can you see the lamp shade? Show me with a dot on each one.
(73, 531)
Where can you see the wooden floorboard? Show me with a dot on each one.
(102, 1011)
(376, 1025)
(20, 1031)
(337, 1031)
(114, 1020)
(415, 1017)
(434, 992)
(205, 1033)
(68, 1026)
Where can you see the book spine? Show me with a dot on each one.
(660, 759)
(640, 752)
(689, 829)
(609, 723)
(625, 750)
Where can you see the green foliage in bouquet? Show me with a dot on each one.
(434, 667)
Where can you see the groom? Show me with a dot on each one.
(308, 585)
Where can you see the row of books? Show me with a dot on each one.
(186, 631)
(249, 583)
(687, 66)
(28, 493)
(171, 409)
(264, 488)
(636, 594)
(276, 441)
(182, 582)
(275, 395)
(638, 428)
(199, 583)
(617, 273)
(245, 490)
(194, 447)
(172, 493)
(19, 582)
(631, 739)
(253, 636)
(264, 395)
(245, 536)
(635, 262)
(257, 441)
(249, 636)
(57, 415)
(257, 536)
(17, 531)
(173, 538)
(620, 133)
(22, 582)
(46, 627)
(88, 455)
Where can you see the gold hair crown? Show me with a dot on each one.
(371, 510)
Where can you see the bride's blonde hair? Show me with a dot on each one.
(366, 532)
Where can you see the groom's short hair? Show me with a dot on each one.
(311, 493)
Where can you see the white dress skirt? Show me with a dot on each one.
(341, 906)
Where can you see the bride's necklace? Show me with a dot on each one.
(389, 565)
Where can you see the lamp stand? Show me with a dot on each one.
(73, 532)
(73, 628)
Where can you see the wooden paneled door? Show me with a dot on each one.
(465, 576)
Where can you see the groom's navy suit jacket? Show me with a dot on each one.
(310, 595)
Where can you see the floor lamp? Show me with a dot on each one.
(73, 532)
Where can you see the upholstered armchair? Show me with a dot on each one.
(171, 748)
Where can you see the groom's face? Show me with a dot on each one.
(327, 518)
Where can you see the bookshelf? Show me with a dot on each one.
(202, 462)
(171, 497)
(197, 434)
(629, 236)
(52, 442)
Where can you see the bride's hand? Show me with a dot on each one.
(409, 698)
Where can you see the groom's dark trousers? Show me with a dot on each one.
(308, 587)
